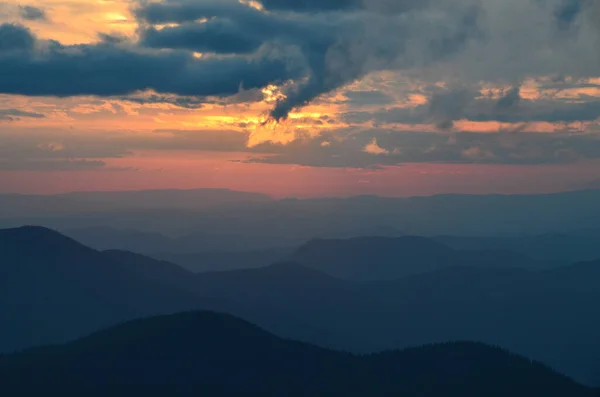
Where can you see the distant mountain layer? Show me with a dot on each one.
(212, 261)
(53, 289)
(248, 223)
(381, 258)
(197, 252)
(210, 354)
(578, 246)
(12, 205)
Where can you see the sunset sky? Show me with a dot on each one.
(300, 97)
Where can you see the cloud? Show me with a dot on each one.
(362, 98)
(311, 5)
(15, 114)
(340, 41)
(333, 49)
(374, 149)
(567, 12)
(384, 6)
(15, 38)
(179, 101)
(347, 148)
(50, 165)
(55, 144)
(107, 69)
(31, 13)
(446, 106)
(510, 99)
(217, 36)
(310, 48)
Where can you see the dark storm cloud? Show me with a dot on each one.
(32, 13)
(446, 107)
(218, 36)
(349, 57)
(510, 99)
(567, 12)
(189, 10)
(311, 5)
(396, 6)
(311, 48)
(15, 38)
(112, 38)
(179, 11)
(106, 69)
(334, 49)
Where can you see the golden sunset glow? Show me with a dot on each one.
(397, 104)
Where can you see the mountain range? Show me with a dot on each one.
(382, 258)
(236, 221)
(211, 354)
(54, 289)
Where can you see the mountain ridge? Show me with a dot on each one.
(221, 355)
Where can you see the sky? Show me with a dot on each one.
(300, 97)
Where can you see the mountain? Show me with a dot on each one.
(260, 225)
(381, 258)
(573, 247)
(205, 353)
(152, 270)
(550, 315)
(182, 199)
(213, 261)
(105, 238)
(12, 205)
(212, 250)
(53, 289)
(283, 284)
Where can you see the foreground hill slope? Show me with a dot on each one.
(210, 354)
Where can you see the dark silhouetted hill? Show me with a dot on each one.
(549, 315)
(381, 258)
(210, 354)
(152, 270)
(53, 289)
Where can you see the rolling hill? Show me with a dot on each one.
(210, 354)
(53, 289)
